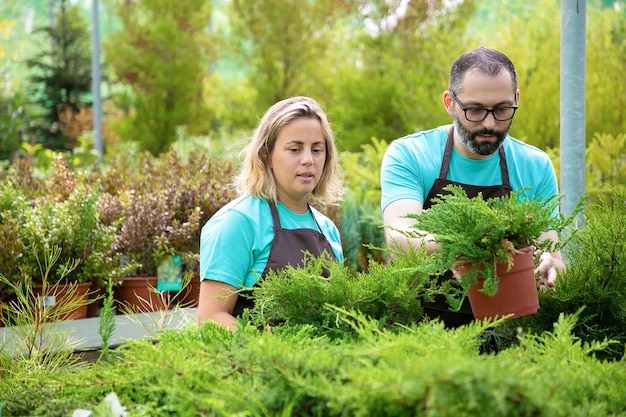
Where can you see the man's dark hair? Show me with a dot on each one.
(486, 60)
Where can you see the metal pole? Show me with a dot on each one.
(95, 79)
(573, 138)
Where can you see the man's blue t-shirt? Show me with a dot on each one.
(235, 243)
(411, 165)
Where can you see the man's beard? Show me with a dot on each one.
(468, 138)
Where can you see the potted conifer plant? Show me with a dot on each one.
(488, 241)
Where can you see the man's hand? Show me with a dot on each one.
(547, 270)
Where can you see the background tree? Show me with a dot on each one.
(282, 44)
(606, 61)
(399, 67)
(61, 77)
(364, 61)
(161, 54)
(11, 111)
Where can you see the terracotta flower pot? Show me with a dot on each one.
(191, 293)
(56, 292)
(137, 294)
(517, 290)
(93, 309)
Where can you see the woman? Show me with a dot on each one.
(291, 160)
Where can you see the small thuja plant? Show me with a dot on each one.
(36, 334)
(107, 321)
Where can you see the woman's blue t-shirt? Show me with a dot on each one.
(235, 243)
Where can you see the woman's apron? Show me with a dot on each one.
(288, 248)
(440, 308)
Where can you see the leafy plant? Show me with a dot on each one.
(37, 339)
(595, 277)
(160, 212)
(73, 225)
(54, 208)
(106, 323)
(484, 233)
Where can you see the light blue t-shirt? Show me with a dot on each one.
(411, 165)
(235, 243)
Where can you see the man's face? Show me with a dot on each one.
(474, 140)
(481, 91)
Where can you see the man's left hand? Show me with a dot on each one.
(547, 270)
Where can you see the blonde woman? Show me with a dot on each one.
(290, 161)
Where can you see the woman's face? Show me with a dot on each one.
(297, 161)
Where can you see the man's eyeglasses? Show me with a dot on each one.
(474, 114)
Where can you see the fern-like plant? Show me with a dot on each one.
(484, 233)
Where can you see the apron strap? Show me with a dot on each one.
(275, 217)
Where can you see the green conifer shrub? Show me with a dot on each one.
(388, 293)
(593, 282)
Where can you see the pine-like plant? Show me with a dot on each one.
(483, 233)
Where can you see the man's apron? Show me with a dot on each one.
(440, 308)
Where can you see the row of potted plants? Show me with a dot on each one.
(120, 223)
(116, 223)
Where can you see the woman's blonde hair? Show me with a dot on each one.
(256, 177)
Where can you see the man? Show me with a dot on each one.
(475, 153)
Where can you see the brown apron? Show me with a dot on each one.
(288, 248)
(440, 308)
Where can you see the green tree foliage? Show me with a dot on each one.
(361, 219)
(606, 164)
(396, 70)
(17, 40)
(606, 60)
(282, 44)
(372, 65)
(161, 53)
(61, 73)
(13, 123)
(529, 34)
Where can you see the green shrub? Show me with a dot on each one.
(57, 209)
(594, 282)
(390, 294)
(72, 225)
(417, 370)
(596, 275)
(160, 204)
(360, 219)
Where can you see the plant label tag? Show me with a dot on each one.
(170, 274)
(49, 301)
